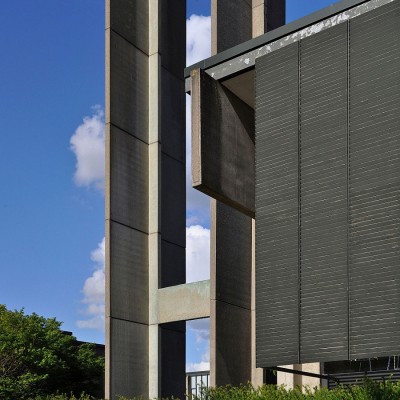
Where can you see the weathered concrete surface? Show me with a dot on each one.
(172, 368)
(129, 187)
(267, 15)
(287, 379)
(127, 286)
(231, 257)
(184, 302)
(128, 87)
(230, 23)
(292, 380)
(173, 258)
(230, 344)
(230, 279)
(222, 144)
(128, 355)
(129, 19)
(172, 99)
(309, 381)
(173, 202)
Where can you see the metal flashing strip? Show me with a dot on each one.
(242, 57)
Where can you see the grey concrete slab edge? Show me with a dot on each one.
(242, 57)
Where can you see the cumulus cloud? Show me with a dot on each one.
(198, 47)
(201, 330)
(94, 292)
(203, 365)
(87, 143)
(198, 38)
(197, 253)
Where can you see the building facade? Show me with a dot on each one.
(296, 137)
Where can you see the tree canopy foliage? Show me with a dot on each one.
(38, 358)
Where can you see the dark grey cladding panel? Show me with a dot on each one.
(172, 36)
(233, 249)
(230, 14)
(173, 137)
(172, 337)
(129, 19)
(173, 269)
(328, 144)
(129, 278)
(129, 343)
(374, 182)
(323, 218)
(129, 82)
(129, 189)
(277, 190)
(173, 203)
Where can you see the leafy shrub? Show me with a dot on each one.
(38, 359)
(369, 390)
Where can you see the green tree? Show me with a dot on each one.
(37, 358)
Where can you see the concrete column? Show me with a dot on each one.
(257, 374)
(292, 380)
(232, 321)
(145, 194)
(230, 311)
(267, 15)
(230, 293)
(230, 23)
(127, 198)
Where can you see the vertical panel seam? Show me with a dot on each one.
(348, 189)
(299, 196)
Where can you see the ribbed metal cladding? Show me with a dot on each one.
(277, 199)
(328, 194)
(323, 218)
(375, 182)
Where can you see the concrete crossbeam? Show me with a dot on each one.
(196, 303)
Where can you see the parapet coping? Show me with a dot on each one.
(242, 57)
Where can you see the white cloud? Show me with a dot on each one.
(197, 253)
(198, 47)
(195, 367)
(198, 38)
(201, 329)
(94, 292)
(88, 145)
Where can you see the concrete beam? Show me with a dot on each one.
(222, 144)
(184, 302)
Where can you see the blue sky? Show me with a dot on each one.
(52, 215)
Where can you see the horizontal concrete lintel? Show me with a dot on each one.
(184, 302)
